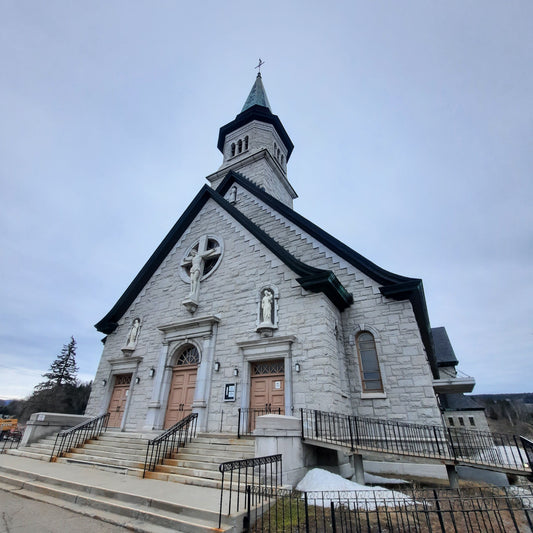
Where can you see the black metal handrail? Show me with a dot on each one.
(248, 417)
(262, 473)
(77, 436)
(496, 450)
(163, 446)
(10, 441)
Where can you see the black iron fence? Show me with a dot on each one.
(10, 441)
(77, 436)
(169, 442)
(480, 510)
(248, 417)
(496, 450)
(264, 474)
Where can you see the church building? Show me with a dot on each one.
(248, 307)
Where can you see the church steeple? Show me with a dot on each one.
(257, 146)
(257, 95)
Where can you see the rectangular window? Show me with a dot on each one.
(450, 421)
(461, 421)
(471, 420)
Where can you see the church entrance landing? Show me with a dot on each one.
(183, 385)
(119, 396)
(267, 388)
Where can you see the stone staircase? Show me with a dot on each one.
(144, 506)
(198, 462)
(195, 464)
(133, 503)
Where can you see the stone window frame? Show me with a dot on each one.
(369, 395)
(179, 349)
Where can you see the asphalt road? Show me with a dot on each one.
(21, 515)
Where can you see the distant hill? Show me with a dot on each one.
(508, 413)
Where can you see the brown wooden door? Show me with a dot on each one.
(267, 389)
(181, 394)
(117, 404)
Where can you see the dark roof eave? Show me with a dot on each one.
(414, 292)
(372, 270)
(329, 284)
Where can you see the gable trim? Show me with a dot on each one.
(311, 278)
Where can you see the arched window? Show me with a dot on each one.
(239, 145)
(278, 152)
(232, 149)
(246, 143)
(282, 159)
(189, 356)
(369, 365)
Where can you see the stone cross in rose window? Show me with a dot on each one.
(195, 262)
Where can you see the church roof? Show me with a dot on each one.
(443, 348)
(459, 402)
(257, 95)
(310, 278)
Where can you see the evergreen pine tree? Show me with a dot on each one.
(63, 370)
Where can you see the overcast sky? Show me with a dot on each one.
(413, 130)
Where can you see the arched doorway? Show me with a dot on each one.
(183, 384)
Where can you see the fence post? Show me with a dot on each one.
(239, 425)
(247, 518)
(306, 509)
(333, 524)
(302, 420)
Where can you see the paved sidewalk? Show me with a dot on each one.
(22, 515)
(189, 495)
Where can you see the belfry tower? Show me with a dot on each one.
(257, 146)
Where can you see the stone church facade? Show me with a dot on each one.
(247, 305)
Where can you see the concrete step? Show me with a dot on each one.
(228, 455)
(219, 447)
(185, 480)
(120, 443)
(102, 459)
(189, 472)
(132, 511)
(198, 465)
(26, 452)
(116, 454)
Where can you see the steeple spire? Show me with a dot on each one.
(257, 95)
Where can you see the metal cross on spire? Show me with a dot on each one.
(261, 62)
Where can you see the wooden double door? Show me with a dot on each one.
(181, 393)
(119, 396)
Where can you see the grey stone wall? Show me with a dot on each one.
(310, 331)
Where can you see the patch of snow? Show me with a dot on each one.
(323, 487)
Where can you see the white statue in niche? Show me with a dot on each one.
(131, 341)
(266, 306)
(233, 195)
